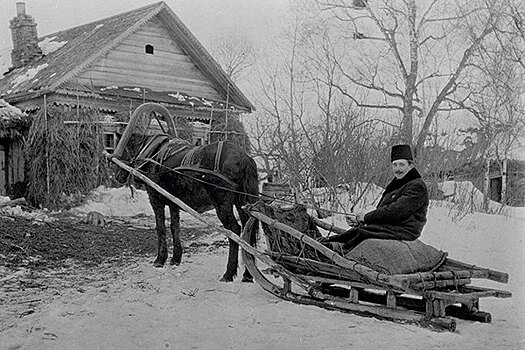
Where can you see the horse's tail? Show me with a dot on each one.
(249, 185)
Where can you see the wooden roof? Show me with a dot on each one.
(72, 51)
(12, 121)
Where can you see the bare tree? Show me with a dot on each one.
(401, 47)
(235, 54)
(303, 127)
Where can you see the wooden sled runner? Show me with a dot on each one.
(326, 279)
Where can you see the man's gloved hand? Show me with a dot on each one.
(354, 219)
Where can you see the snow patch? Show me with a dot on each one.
(133, 89)
(466, 195)
(116, 202)
(28, 75)
(11, 113)
(48, 45)
(178, 96)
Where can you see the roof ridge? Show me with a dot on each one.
(156, 8)
(103, 19)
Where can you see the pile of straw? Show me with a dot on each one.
(65, 160)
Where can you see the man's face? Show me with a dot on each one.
(401, 167)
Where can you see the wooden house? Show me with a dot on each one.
(113, 65)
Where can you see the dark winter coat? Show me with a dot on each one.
(402, 210)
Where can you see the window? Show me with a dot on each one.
(149, 49)
(110, 141)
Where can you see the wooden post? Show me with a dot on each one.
(486, 188)
(48, 167)
(390, 299)
(354, 295)
(504, 182)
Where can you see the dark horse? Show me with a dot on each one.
(219, 175)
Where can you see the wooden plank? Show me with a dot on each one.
(354, 284)
(415, 303)
(394, 314)
(136, 48)
(492, 274)
(152, 72)
(168, 63)
(440, 283)
(432, 276)
(465, 297)
(498, 292)
(109, 79)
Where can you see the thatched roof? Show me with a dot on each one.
(13, 122)
(68, 53)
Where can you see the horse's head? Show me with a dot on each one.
(129, 154)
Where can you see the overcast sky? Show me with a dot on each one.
(258, 20)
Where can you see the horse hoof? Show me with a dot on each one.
(226, 279)
(174, 262)
(247, 279)
(158, 264)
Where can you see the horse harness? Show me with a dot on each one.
(167, 148)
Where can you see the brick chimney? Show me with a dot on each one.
(25, 38)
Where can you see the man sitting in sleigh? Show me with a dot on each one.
(401, 212)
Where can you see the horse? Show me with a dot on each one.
(219, 175)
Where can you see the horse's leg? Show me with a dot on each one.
(246, 276)
(175, 234)
(160, 226)
(227, 218)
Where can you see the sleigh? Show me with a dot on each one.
(313, 274)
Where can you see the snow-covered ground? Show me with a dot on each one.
(186, 307)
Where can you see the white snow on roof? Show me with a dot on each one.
(206, 102)
(29, 74)
(178, 96)
(48, 45)
(11, 111)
